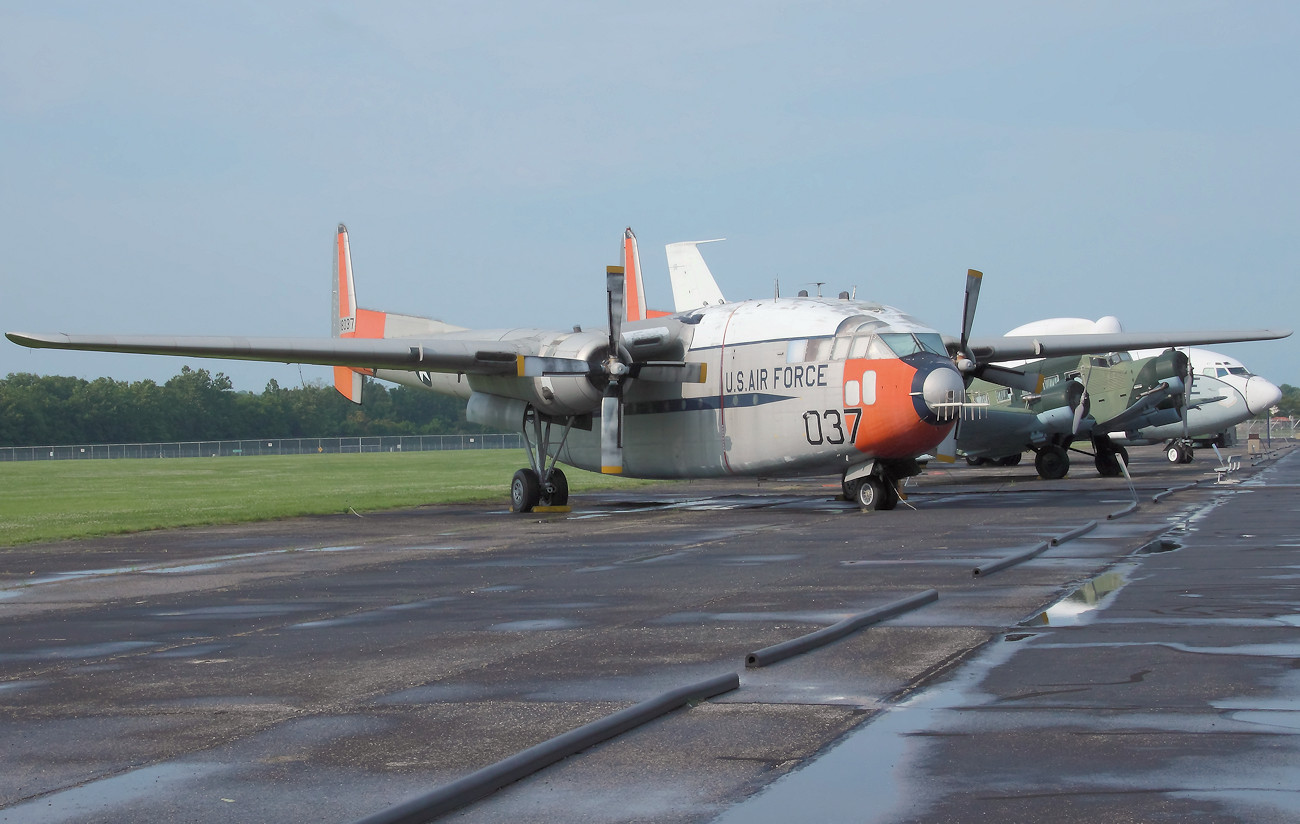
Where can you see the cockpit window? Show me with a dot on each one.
(1240, 371)
(870, 347)
(932, 342)
(902, 343)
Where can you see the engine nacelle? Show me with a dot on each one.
(574, 394)
(1067, 395)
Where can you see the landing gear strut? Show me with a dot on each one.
(541, 484)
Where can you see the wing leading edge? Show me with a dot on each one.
(478, 355)
(1047, 346)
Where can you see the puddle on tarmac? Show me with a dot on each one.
(1080, 605)
(162, 569)
(81, 651)
(1158, 545)
(539, 624)
(97, 799)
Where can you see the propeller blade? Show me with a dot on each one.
(973, 280)
(668, 372)
(615, 283)
(946, 451)
(1080, 411)
(1187, 392)
(611, 430)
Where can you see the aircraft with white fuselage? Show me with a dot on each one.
(770, 387)
(1223, 392)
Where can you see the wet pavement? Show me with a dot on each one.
(323, 669)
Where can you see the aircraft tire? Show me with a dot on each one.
(1052, 463)
(1010, 460)
(871, 493)
(1188, 455)
(525, 491)
(1107, 465)
(559, 495)
(1175, 453)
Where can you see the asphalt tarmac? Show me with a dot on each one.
(324, 669)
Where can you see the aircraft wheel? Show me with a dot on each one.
(525, 491)
(1010, 460)
(871, 493)
(1123, 453)
(559, 494)
(1052, 463)
(1175, 453)
(1188, 455)
(1108, 464)
(972, 461)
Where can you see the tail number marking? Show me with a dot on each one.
(828, 426)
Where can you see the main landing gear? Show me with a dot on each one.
(871, 492)
(1053, 460)
(1108, 457)
(541, 484)
(1179, 452)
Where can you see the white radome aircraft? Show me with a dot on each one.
(768, 387)
(1224, 392)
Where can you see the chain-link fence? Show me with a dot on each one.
(263, 446)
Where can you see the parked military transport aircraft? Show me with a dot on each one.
(1081, 399)
(788, 386)
(1223, 393)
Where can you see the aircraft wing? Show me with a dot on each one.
(993, 349)
(440, 354)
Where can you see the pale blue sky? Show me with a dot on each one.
(180, 167)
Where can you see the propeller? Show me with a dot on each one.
(611, 405)
(966, 362)
(616, 369)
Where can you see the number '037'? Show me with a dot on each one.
(828, 426)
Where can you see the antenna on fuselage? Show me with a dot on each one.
(778, 289)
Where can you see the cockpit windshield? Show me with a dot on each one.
(932, 342)
(905, 343)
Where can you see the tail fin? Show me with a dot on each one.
(350, 321)
(343, 318)
(637, 309)
(693, 283)
(635, 292)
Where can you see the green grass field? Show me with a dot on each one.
(51, 500)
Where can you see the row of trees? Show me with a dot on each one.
(196, 405)
(1290, 403)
